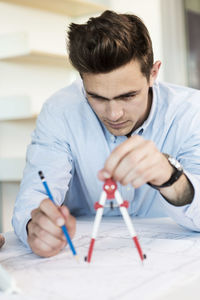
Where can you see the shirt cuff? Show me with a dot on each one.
(20, 227)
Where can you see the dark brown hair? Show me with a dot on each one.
(109, 41)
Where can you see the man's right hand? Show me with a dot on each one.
(45, 235)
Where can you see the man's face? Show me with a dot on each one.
(120, 98)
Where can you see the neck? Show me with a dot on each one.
(146, 114)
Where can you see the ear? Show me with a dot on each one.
(154, 72)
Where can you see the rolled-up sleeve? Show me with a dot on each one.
(189, 156)
(188, 215)
(50, 152)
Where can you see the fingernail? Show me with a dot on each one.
(106, 175)
(60, 221)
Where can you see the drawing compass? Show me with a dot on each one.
(111, 192)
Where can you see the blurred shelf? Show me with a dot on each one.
(25, 118)
(72, 8)
(34, 56)
(11, 169)
(16, 47)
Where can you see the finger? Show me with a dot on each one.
(103, 175)
(50, 240)
(39, 218)
(118, 153)
(148, 176)
(52, 211)
(130, 163)
(138, 182)
(141, 170)
(37, 244)
(40, 248)
(151, 170)
(70, 221)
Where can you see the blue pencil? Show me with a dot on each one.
(64, 228)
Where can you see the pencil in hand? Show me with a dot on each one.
(64, 228)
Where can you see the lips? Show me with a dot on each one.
(117, 125)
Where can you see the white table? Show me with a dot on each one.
(171, 271)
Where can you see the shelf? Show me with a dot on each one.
(11, 169)
(34, 56)
(72, 8)
(16, 47)
(32, 118)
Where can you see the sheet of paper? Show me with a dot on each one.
(116, 272)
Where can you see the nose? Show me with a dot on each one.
(114, 110)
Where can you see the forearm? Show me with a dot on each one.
(180, 193)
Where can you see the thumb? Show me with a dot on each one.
(103, 175)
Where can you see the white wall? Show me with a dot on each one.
(174, 43)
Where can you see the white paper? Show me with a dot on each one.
(115, 271)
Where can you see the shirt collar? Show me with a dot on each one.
(143, 127)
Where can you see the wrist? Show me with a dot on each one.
(182, 193)
(177, 171)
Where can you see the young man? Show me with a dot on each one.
(116, 122)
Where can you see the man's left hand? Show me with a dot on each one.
(136, 161)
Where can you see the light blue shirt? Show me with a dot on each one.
(70, 145)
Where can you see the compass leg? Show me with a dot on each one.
(128, 223)
(97, 221)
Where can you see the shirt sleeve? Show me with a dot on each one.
(188, 215)
(189, 156)
(49, 152)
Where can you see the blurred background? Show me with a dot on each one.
(34, 64)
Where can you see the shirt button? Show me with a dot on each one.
(141, 131)
(112, 138)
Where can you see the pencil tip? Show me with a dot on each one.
(77, 258)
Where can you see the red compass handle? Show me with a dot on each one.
(110, 187)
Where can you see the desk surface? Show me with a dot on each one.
(172, 266)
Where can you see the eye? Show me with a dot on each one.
(129, 97)
(106, 187)
(112, 186)
(97, 98)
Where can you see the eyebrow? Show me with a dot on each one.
(116, 97)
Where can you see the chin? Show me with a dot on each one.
(119, 132)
